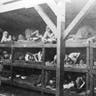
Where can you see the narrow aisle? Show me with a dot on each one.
(15, 91)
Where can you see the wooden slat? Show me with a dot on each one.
(76, 43)
(5, 45)
(27, 44)
(79, 17)
(68, 43)
(46, 19)
(83, 70)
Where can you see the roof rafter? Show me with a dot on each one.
(46, 19)
(52, 4)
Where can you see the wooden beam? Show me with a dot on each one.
(82, 14)
(46, 19)
(53, 6)
(20, 4)
(60, 56)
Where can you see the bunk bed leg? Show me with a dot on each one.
(88, 64)
(91, 72)
(43, 72)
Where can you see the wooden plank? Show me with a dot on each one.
(76, 43)
(10, 7)
(82, 14)
(83, 70)
(60, 57)
(20, 4)
(4, 1)
(46, 19)
(27, 44)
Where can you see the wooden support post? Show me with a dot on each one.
(79, 17)
(91, 71)
(46, 19)
(88, 64)
(60, 56)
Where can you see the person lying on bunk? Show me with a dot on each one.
(32, 35)
(86, 32)
(6, 37)
(49, 36)
(35, 35)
